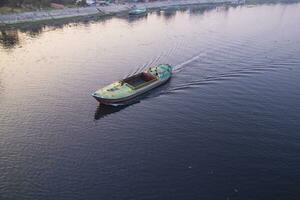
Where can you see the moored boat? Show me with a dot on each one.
(131, 87)
(138, 11)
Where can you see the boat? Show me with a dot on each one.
(127, 89)
(138, 11)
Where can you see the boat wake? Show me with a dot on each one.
(243, 70)
(231, 69)
(160, 59)
(179, 67)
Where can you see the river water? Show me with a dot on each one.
(225, 127)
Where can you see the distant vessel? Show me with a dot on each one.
(131, 87)
(138, 11)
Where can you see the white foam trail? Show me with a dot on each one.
(179, 67)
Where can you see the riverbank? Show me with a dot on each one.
(15, 18)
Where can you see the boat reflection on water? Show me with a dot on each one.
(133, 18)
(105, 110)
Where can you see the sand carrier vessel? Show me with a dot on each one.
(133, 86)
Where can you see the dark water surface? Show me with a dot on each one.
(227, 126)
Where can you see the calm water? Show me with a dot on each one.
(227, 126)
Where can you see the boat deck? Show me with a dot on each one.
(139, 79)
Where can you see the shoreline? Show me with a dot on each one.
(99, 11)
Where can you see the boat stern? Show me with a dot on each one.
(113, 93)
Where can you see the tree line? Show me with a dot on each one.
(38, 3)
